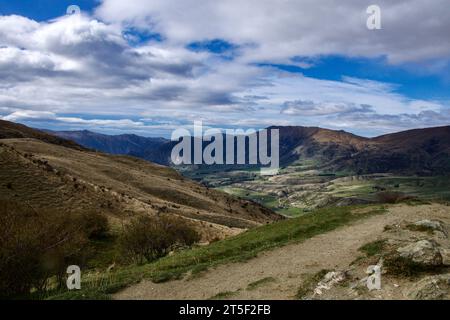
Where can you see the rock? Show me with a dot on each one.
(425, 252)
(445, 253)
(330, 279)
(431, 288)
(434, 225)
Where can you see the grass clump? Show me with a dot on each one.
(393, 197)
(403, 267)
(373, 248)
(224, 295)
(420, 228)
(259, 283)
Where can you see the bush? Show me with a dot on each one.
(392, 197)
(36, 246)
(95, 225)
(400, 266)
(148, 238)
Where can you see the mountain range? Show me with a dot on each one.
(419, 151)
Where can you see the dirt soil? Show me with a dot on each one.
(287, 266)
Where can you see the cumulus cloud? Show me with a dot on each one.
(84, 71)
(279, 30)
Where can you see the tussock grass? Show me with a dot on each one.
(259, 283)
(420, 228)
(224, 295)
(373, 248)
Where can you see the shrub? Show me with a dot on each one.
(373, 248)
(392, 197)
(400, 266)
(95, 225)
(36, 246)
(148, 238)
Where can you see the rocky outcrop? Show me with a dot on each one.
(423, 252)
(431, 288)
(329, 280)
(433, 225)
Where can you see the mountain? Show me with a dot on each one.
(420, 151)
(47, 172)
(126, 144)
(10, 130)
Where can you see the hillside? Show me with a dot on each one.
(11, 130)
(53, 176)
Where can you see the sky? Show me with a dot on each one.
(151, 66)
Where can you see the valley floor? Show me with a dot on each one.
(279, 273)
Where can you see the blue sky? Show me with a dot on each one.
(42, 10)
(151, 66)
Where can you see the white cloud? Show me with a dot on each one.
(80, 71)
(278, 30)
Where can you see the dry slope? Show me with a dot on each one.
(65, 177)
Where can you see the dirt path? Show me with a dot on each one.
(284, 266)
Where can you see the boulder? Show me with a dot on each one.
(434, 225)
(424, 252)
(431, 288)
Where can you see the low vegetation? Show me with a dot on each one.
(392, 197)
(373, 248)
(420, 228)
(259, 283)
(36, 247)
(224, 295)
(146, 238)
(404, 267)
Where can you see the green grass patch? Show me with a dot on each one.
(224, 295)
(259, 283)
(373, 248)
(239, 248)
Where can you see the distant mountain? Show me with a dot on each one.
(420, 151)
(126, 144)
(51, 173)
